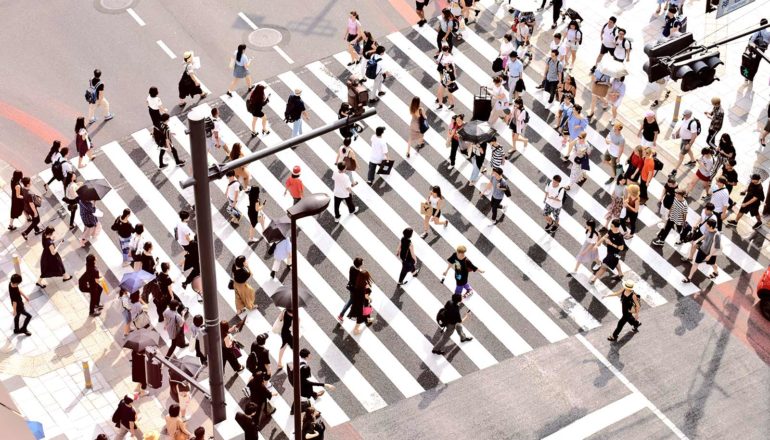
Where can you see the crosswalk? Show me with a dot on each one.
(526, 297)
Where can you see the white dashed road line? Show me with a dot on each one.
(166, 49)
(254, 27)
(136, 16)
(248, 21)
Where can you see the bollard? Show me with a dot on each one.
(87, 376)
(677, 103)
(17, 264)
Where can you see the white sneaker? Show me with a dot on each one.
(450, 166)
(355, 210)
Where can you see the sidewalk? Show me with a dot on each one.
(43, 373)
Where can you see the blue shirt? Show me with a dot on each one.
(581, 124)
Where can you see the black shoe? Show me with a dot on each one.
(437, 351)
(26, 332)
(636, 328)
(465, 339)
(184, 285)
(612, 339)
(593, 69)
(381, 94)
(272, 274)
(163, 165)
(757, 225)
(180, 163)
(229, 94)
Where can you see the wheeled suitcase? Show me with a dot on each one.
(482, 105)
(154, 373)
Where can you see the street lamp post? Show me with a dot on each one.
(309, 205)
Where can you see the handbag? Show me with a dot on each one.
(452, 87)
(278, 324)
(425, 208)
(600, 89)
(350, 163)
(142, 320)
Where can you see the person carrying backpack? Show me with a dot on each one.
(608, 33)
(629, 303)
(497, 188)
(375, 71)
(213, 128)
(688, 131)
(452, 322)
(162, 136)
(95, 98)
(295, 112)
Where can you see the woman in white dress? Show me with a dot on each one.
(588, 253)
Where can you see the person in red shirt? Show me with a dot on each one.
(294, 185)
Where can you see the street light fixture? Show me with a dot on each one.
(309, 205)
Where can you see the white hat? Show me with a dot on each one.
(628, 284)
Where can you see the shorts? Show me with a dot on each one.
(752, 209)
(436, 213)
(700, 257)
(573, 46)
(644, 142)
(684, 146)
(420, 5)
(459, 288)
(258, 114)
(352, 37)
(702, 177)
(549, 210)
(611, 260)
(606, 49)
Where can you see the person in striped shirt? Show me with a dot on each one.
(676, 218)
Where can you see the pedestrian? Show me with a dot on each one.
(647, 173)
(294, 185)
(253, 212)
(124, 299)
(240, 64)
(420, 10)
(136, 247)
(616, 143)
(17, 197)
(353, 273)
(96, 91)
(362, 284)
(578, 153)
(497, 155)
(517, 122)
(496, 189)
(31, 207)
(635, 163)
(343, 191)
(368, 47)
(629, 306)
(189, 84)
(445, 30)
(672, 22)
(434, 203)
(631, 211)
(233, 190)
(622, 51)
(229, 346)
(649, 130)
(574, 38)
(405, 251)
(515, 71)
(720, 198)
(165, 142)
(453, 138)
(155, 107)
(125, 419)
(312, 425)
(18, 298)
(125, 230)
(51, 265)
(608, 33)
(462, 267)
(255, 105)
(347, 156)
(615, 244)
(614, 210)
(176, 428)
(704, 173)
(600, 88)
(377, 73)
(417, 126)
(615, 96)
(82, 141)
(241, 173)
(563, 115)
(244, 293)
(61, 168)
(378, 155)
(259, 357)
(554, 193)
(214, 131)
(281, 253)
(687, 132)
(724, 152)
(71, 197)
(454, 322)
(506, 47)
(717, 116)
(693, 234)
(766, 129)
(147, 260)
(446, 83)
(52, 158)
(198, 333)
(576, 124)
(306, 385)
(753, 196)
(91, 282)
(559, 45)
(248, 420)
(183, 234)
(295, 112)
(174, 324)
(138, 306)
(567, 89)
(708, 246)
(552, 78)
(164, 294)
(286, 319)
(353, 35)
(588, 255)
(675, 215)
(260, 395)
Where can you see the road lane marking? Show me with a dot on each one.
(604, 417)
(166, 49)
(248, 21)
(283, 54)
(136, 17)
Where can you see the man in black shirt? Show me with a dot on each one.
(629, 304)
(249, 421)
(17, 302)
(729, 173)
(259, 358)
(124, 419)
(453, 322)
(164, 135)
(754, 195)
(615, 244)
(462, 266)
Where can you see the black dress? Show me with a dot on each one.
(187, 86)
(17, 204)
(357, 305)
(286, 329)
(51, 265)
(252, 213)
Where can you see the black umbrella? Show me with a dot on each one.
(277, 230)
(477, 132)
(94, 189)
(282, 296)
(140, 339)
(189, 364)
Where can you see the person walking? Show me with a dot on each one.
(82, 141)
(434, 203)
(568, 89)
(189, 84)
(286, 319)
(31, 204)
(500, 101)
(155, 107)
(753, 196)
(477, 154)
(240, 64)
(18, 298)
(253, 212)
(496, 188)
(125, 419)
(124, 299)
(51, 265)
(347, 156)
(259, 357)
(417, 126)
(647, 174)
(462, 267)
(248, 420)
(420, 10)
(244, 293)
(71, 197)
(616, 200)
(687, 132)
(616, 143)
(720, 198)
(229, 346)
(312, 425)
(90, 221)
(704, 174)
(353, 35)
(446, 85)
(255, 105)
(96, 91)
(615, 244)
(125, 230)
(163, 138)
(281, 253)
(578, 156)
(368, 48)
(17, 197)
(517, 121)
(343, 191)
(139, 374)
(183, 234)
(708, 246)
(353, 273)
(198, 333)
(615, 96)
(378, 155)
(294, 185)
(453, 138)
(91, 282)
(588, 255)
(214, 131)
(260, 394)
(554, 193)
(574, 38)
(306, 385)
(553, 75)
(635, 163)
(454, 322)
(52, 158)
(295, 112)
(136, 247)
(631, 207)
(693, 234)
(176, 428)
(164, 294)
(232, 192)
(445, 30)
(649, 130)
(576, 124)
(717, 116)
(405, 251)
(61, 168)
(608, 33)
(629, 305)
(362, 285)
(241, 173)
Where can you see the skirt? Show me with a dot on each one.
(240, 71)
(587, 257)
(51, 265)
(616, 205)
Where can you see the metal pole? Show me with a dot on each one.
(295, 332)
(207, 256)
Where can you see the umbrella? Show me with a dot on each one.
(189, 364)
(525, 5)
(282, 296)
(612, 68)
(94, 189)
(477, 132)
(133, 281)
(139, 340)
(277, 230)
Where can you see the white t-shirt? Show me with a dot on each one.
(445, 59)
(379, 150)
(620, 49)
(154, 103)
(233, 188)
(557, 192)
(684, 129)
(499, 96)
(608, 35)
(218, 126)
(66, 166)
(341, 184)
(183, 230)
(506, 48)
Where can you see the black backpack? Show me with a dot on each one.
(290, 371)
(293, 111)
(371, 68)
(208, 126)
(697, 125)
(441, 317)
(159, 135)
(58, 170)
(83, 284)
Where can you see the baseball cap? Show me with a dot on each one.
(687, 112)
(296, 169)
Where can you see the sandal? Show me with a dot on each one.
(686, 280)
(713, 275)
(42, 286)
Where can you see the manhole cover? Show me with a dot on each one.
(265, 37)
(116, 5)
